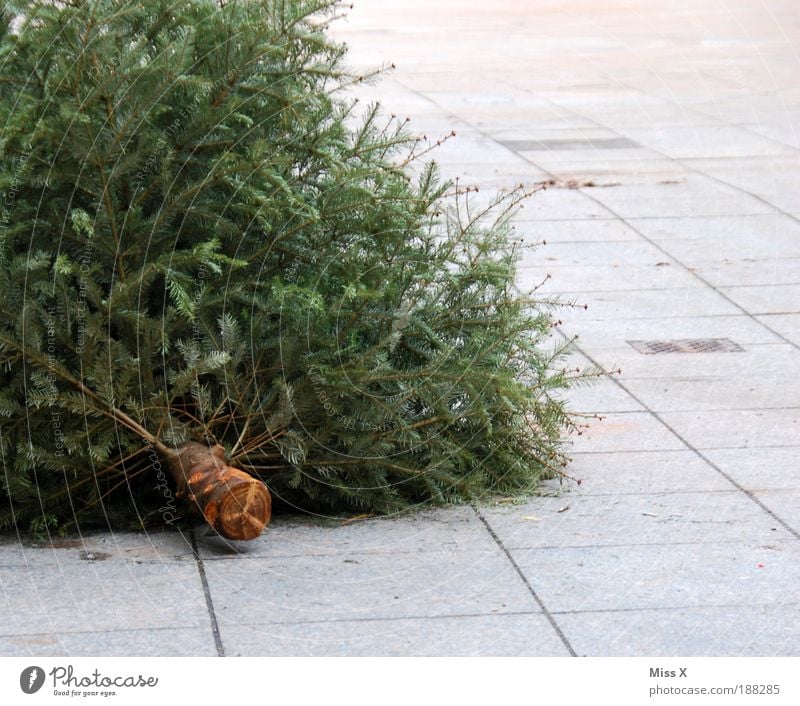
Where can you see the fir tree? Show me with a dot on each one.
(202, 241)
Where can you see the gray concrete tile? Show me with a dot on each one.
(365, 586)
(545, 116)
(695, 195)
(494, 177)
(784, 503)
(547, 135)
(650, 304)
(558, 204)
(607, 169)
(164, 642)
(773, 178)
(622, 171)
(457, 100)
(520, 635)
(102, 595)
(641, 472)
(743, 631)
(706, 141)
(787, 133)
(750, 272)
(441, 529)
(634, 110)
(554, 153)
(767, 109)
(573, 519)
(519, 115)
(571, 231)
(671, 394)
(600, 397)
(629, 577)
(570, 280)
(737, 428)
(472, 147)
(632, 431)
(634, 253)
(766, 299)
(598, 334)
(756, 236)
(755, 365)
(731, 251)
(159, 546)
(787, 325)
(760, 468)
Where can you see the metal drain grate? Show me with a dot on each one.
(687, 345)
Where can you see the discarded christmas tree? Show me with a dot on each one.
(213, 275)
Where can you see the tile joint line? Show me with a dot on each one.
(691, 447)
(527, 583)
(207, 594)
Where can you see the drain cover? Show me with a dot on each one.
(687, 345)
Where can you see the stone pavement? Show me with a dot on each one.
(672, 134)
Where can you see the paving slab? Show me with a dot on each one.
(780, 132)
(740, 272)
(73, 552)
(518, 635)
(784, 504)
(554, 153)
(632, 111)
(624, 305)
(453, 529)
(162, 642)
(775, 179)
(365, 586)
(694, 195)
(608, 230)
(737, 428)
(596, 334)
(600, 397)
(723, 392)
(770, 107)
(787, 325)
(767, 298)
(676, 576)
(656, 171)
(100, 595)
(472, 147)
(638, 253)
(571, 138)
(754, 365)
(493, 177)
(760, 468)
(655, 519)
(718, 248)
(579, 280)
(640, 472)
(558, 204)
(710, 141)
(628, 431)
(749, 236)
(741, 631)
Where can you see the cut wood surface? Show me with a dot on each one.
(234, 503)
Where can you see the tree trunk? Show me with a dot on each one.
(234, 503)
